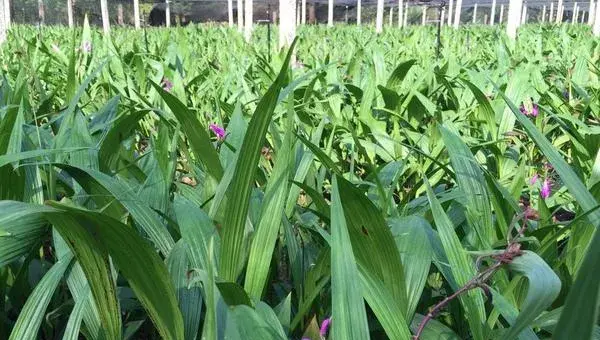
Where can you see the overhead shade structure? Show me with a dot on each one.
(287, 20)
(493, 13)
(514, 18)
(379, 17)
(105, 18)
(457, 13)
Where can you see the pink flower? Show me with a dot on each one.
(546, 189)
(167, 85)
(533, 179)
(535, 110)
(325, 327)
(218, 131)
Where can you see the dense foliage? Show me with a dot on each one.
(183, 184)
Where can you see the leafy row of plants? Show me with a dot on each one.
(183, 184)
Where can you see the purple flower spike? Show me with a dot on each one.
(533, 179)
(218, 131)
(535, 110)
(86, 46)
(546, 190)
(325, 327)
(167, 85)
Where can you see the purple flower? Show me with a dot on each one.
(167, 85)
(86, 46)
(523, 110)
(325, 327)
(535, 110)
(217, 130)
(533, 179)
(546, 190)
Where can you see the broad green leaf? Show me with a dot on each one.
(543, 288)
(348, 308)
(265, 235)
(581, 308)
(138, 263)
(240, 187)
(462, 266)
(32, 314)
(197, 134)
(472, 184)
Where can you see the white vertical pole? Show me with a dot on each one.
(551, 12)
(105, 19)
(358, 12)
(7, 13)
(41, 11)
(424, 16)
(297, 18)
(475, 14)
(493, 13)
(70, 12)
(167, 13)
(442, 17)
(391, 16)
(240, 15)
(136, 13)
(330, 14)
(524, 14)
(574, 14)
(450, 3)
(501, 14)
(405, 15)
(303, 10)
(230, 12)
(596, 27)
(514, 18)
(3, 22)
(287, 22)
(379, 17)
(558, 12)
(249, 20)
(591, 13)
(544, 13)
(457, 13)
(400, 12)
